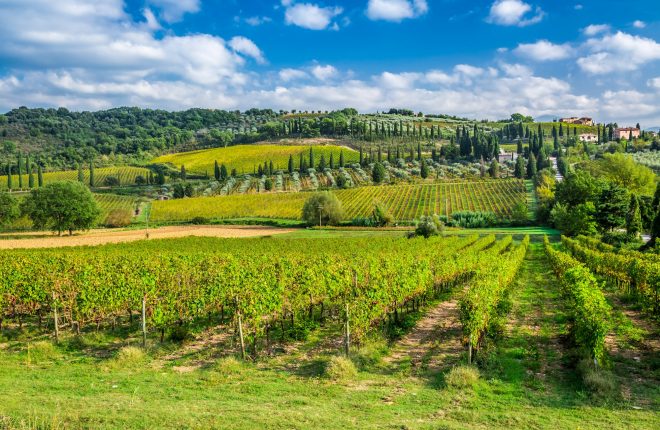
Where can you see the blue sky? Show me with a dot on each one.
(481, 59)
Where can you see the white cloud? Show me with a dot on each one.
(152, 23)
(245, 46)
(396, 10)
(578, 7)
(620, 52)
(173, 10)
(544, 50)
(514, 12)
(594, 29)
(311, 16)
(287, 75)
(323, 73)
(516, 70)
(256, 21)
(654, 83)
(639, 24)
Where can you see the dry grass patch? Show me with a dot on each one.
(462, 376)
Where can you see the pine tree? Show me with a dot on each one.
(519, 171)
(634, 217)
(40, 176)
(216, 170)
(91, 174)
(81, 174)
(531, 166)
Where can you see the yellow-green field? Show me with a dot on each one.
(126, 175)
(405, 202)
(247, 158)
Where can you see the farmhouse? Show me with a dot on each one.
(588, 137)
(624, 133)
(578, 121)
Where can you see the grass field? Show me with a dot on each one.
(126, 175)
(405, 202)
(247, 158)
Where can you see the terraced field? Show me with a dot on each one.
(246, 158)
(405, 202)
(126, 175)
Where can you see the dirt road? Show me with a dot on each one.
(100, 237)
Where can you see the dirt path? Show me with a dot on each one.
(435, 342)
(100, 237)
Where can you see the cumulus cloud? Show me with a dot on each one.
(174, 10)
(311, 16)
(654, 83)
(639, 24)
(288, 74)
(245, 46)
(620, 52)
(396, 10)
(514, 12)
(256, 21)
(323, 73)
(594, 29)
(544, 50)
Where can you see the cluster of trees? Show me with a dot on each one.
(58, 206)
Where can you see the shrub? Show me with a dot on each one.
(111, 181)
(228, 366)
(179, 334)
(129, 356)
(469, 219)
(340, 369)
(429, 226)
(381, 216)
(462, 376)
(119, 218)
(43, 351)
(324, 207)
(199, 220)
(378, 173)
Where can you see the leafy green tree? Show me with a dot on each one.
(577, 188)
(380, 216)
(160, 177)
(611, 207)
(9, 211)
(324, 208)
(634, 217)
(519, 171)
(624, 171)
(576, 220)
(378, 173)
(62, 206)
(429, 226)
(531, 166)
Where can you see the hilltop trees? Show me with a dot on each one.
(61, 206)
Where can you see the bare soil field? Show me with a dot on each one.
(100, 237)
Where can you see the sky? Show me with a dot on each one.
(479, 59)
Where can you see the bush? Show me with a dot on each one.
(340, 369)
(381, 216)
(199, 220)
(129, 356)
(43, 351)
(378, 173)
(179, 334)
(429, 226)
(119, 218)
(111, 181)
(329, 206)
(462, 377)
(469, 219)
(228, 366)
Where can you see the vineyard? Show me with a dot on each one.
(247, 158)
(125, 174)
(405, 202)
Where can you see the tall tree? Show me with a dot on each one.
(531, 166)
(183, 175)
(223, 172)
(290, 166)
(519, 171)
(341, 158)
(634, 217)
(20, 171)
(81, 173)
(40, 176)
(216, 170)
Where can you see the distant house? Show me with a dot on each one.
(578, 121)
(624, 133)
(588, 137)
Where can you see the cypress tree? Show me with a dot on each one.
(216, 170)
(542, 162)
(91, 174)
(380, 154)
(10, 184)
(81, 174)
(531, 166)
(311, 157)
(160, 178)
(40, 176)
(184, 175)
(322, 163)
(332, 161)
(519, 171)
(361, 157)
(341, 158)
(561, 129)
(30, 176)
(301, 161)
(634, 217)
(419, 150)
(424, 170)
(290, 164)
(494, 169)
(519, 148)
(223, 172)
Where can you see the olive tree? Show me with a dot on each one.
(323, 208)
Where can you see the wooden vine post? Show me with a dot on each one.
(470, 351)
(144, 321)
(240, 335)
(347, 334)
(55, 320)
